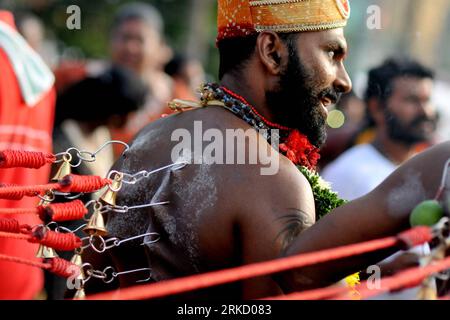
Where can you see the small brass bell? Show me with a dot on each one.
(96, 225)
(46, 252)
(80, 294)
(110, 195)
(64, 170)
(78, 261)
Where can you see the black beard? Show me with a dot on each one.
(296, 104)
(407, 134)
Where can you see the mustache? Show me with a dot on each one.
(423, 119)
(331, 94)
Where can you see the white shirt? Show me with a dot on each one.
(357, 171)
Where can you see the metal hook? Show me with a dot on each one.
(115, 242)
(125, 209)
(102, 244)
(443, 184)
(53, 223)
(87, 245)
(127, 147)
(136, 177)
(115, 274)
(142, 235)
(68, 230)
(444, 174)
(67, 196)
(63, 156)
(50, 194)
(179, 164)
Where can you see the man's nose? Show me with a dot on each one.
(427, 109)
(343, 83)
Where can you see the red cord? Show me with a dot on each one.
(269, 123)
(69, 211)
(56, 240)
(25, 261)
(70, 183)
(18, 236)
(36, 210)
(415, 237)
(63, 268)
(18, 192)
(25, 159)
(51, 239)
(10, 225)
(84, 184)
(200, 281)
(58, 266)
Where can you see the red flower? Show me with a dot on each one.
(300, 151)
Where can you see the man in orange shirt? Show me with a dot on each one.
(27, 100)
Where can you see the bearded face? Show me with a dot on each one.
(420, 129)
(297, 102)
(409, 116)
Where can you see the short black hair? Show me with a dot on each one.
(117, 91)
(381, 79)
(175, 66)
(138, 11)
(235, 52)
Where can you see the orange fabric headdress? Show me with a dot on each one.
(238, 18)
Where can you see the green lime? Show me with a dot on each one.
(427, 213)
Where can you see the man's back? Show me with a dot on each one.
(219, 215)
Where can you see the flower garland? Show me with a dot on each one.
(325, 199)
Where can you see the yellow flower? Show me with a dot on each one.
(353, 280)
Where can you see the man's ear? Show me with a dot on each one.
(376, 110)
(271, 51)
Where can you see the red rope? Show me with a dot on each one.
(176, 286)
(10, 225)
(69, 211)
(58, 266)
(84, 184)
(36, 210)
(63, 268)
(25, 159)
(18, 192)
(70, 183)
(10, 228)
(18, 236)
(25, 261)
(56, 240)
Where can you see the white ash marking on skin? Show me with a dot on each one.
(144, 141)
(199, 194)
(403, 198)
(195, 196)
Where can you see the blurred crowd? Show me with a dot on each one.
(91, 102)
